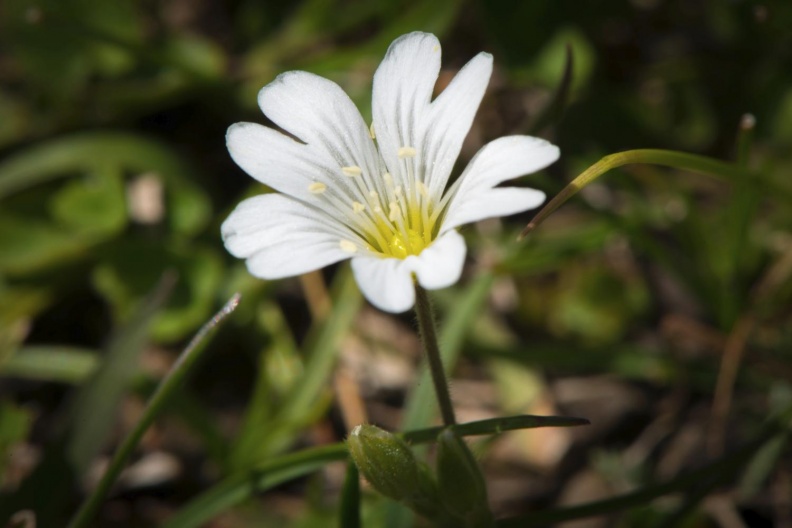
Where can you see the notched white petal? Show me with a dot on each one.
(491, 203)
(440, 265)
(385, 282)
(280, 237)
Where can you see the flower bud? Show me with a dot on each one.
(385, 460)
(390, 467)
(461, 484)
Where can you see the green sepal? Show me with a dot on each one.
(462, 489)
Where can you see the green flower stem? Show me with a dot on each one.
(164, 391)
(426, 324)
(669, 158)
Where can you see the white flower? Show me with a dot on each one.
(375, 194)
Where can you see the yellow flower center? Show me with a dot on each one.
(392, 219)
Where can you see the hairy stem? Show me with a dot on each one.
(426, 324)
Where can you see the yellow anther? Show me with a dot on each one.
(394, 212)
(398, 190)
(317, 188)
(348, 246)
(388, 178)
(377, 209)
(371, 131)
(358, 207)
(422, 189)
(374, 195)
(352, 170)
(406, 152)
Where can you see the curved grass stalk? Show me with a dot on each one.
(668, 158)
(164, 391)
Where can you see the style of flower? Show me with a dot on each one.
(377, 195)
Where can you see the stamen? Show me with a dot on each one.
(374, 195)
(388, 178)
(371, 131)
(398, 190)
(395, 212)
(422, 189)
(406, 152)
(358, 207)
(317, 188)
(352, 171)
(348, 246)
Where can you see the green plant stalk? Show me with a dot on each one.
(426, 325)
(166, 389)
(349, 514)
(668, 158)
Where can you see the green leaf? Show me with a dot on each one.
(127, 270)
(17, 305)
(93, 206)
(52, 363)
(30, 244)
(187, 207)
(60, 43)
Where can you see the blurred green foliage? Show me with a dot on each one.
(110, 106)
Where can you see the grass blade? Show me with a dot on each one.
(166, 389)
(668, 158)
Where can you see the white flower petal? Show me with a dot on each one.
(491, 203)
(385, 282)
(318, 112)
(405, 116)
(402, 92)
(281, 162)
(281, 237)
(500, 160)
(440, 265)
(450, 118)
(506, 158)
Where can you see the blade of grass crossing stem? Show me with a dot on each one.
(263, 476)
(349, 514)
(668, 158)
(495, 426)
(166, 389)
(94, 410)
